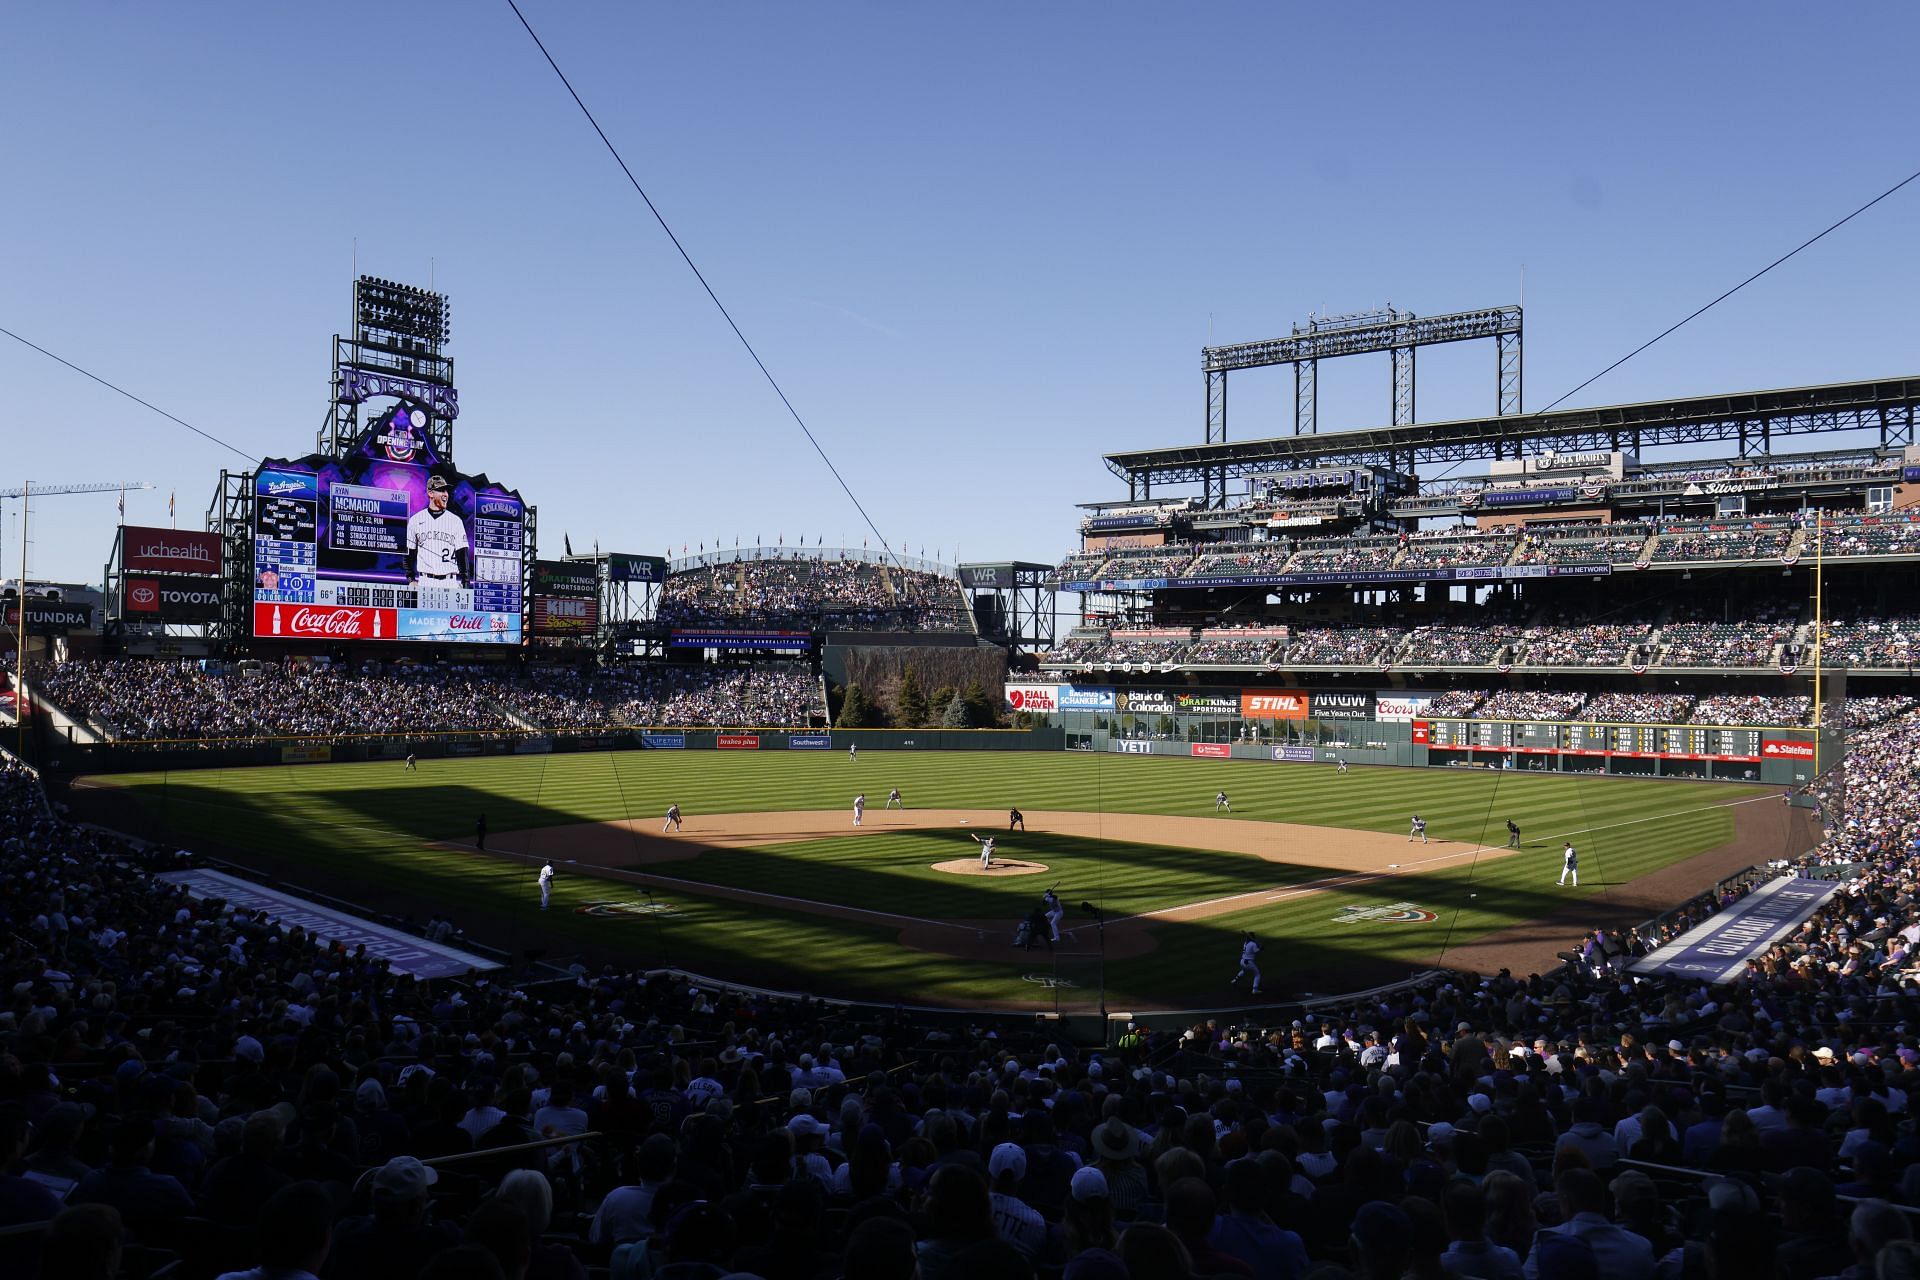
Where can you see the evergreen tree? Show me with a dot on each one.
(957, 715)
(911, 701)
(857, 710)
(937, 704)
(980, 712)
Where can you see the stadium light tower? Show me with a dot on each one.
(26, 493)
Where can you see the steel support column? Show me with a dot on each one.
(1403, 386)
(1507, 372)
(1306, 397)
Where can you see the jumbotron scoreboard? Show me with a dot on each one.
(1636, 741)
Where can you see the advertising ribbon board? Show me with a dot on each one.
(738, 742)
(1034, 699)
(1340, 706)
(1207, 704)
(1398, 708)
(664, 741)
(809, 742)
(1146, 702)
(145, 550)
(1211, 750)
(1131, 747)
(1274, 704)
(1294, 755)
(1073, 698)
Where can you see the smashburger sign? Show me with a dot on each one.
(1034, 699)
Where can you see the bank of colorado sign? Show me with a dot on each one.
(1034, 699)
(168, 551)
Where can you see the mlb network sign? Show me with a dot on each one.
(1034, 699)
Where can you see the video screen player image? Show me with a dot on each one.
(387, 543)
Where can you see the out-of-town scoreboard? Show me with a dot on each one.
(1636, 741)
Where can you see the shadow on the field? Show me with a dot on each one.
(429, 811)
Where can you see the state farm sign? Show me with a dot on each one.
(1274, 704)
(1034, 699)
(1783, 749)
(169, 551)
(323, 622)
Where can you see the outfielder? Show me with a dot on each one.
(893, 798)
(1249, 964)
(546, 884)
(673, 819)
(1220, 802)
(437, 541)
(853, 753)
(1419, 828)
(1343, 764)
(1015, 818)
(986, 850)
(412, 765)
(1570, 865)
(859, 808)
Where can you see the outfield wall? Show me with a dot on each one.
(74, 757)
(1774, 756)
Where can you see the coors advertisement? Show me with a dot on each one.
(157, 598)
(1340, 706)
(144, 550)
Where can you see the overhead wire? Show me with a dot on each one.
(701, 277)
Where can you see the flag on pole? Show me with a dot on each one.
(123, 506)
(566, 540)
(170, 505)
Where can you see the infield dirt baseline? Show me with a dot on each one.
(1354, 857)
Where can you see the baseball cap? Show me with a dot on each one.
(249, 1048)
(804, 1125)
(1440, 1134)
(436, 484)
(1089, 1184)
(403, 1178)
(1008, 1158)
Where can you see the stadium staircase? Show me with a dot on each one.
(1646, 552)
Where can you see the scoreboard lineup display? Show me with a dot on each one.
(1636, 741)
(386, 543)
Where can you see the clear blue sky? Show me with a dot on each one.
(979, 245)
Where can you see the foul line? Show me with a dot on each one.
(1277, 893)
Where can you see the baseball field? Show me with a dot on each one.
(770, 882)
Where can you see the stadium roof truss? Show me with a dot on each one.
(1752, 419)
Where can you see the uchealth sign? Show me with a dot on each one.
(1212, 750)
(169, 599)
(1034, 699)
(1274, 704)
(1785, 749)
(145, 550)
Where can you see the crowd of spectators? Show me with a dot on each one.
(1750, 642)
(1752, 709)
(1530, 704)
(812, 592)
(1893, 534)
(1610, 544)
(1638, 708)
(1571, 643)
(1231, 648)
(1342, 646)
(1872, 641)
(1450, 548)
(161, 700)
(150, 700)
(184, 1080)
(1459, 646)
(1338, 555)
(1242, 558)
(1725, 540)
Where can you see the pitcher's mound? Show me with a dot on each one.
(1000, 867)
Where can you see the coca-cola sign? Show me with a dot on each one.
(169, 551)
(323, 622)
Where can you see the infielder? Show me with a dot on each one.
(1513, 834)
(986, 850)
(1015, 818)
(437, 542)
(1249, 964)
(893, 798)
(1220, 802)
(546, 884)
(673, 819)
(859, 808)
(1570, 865)
(1419, 828)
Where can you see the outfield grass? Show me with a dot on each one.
(366, 831)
